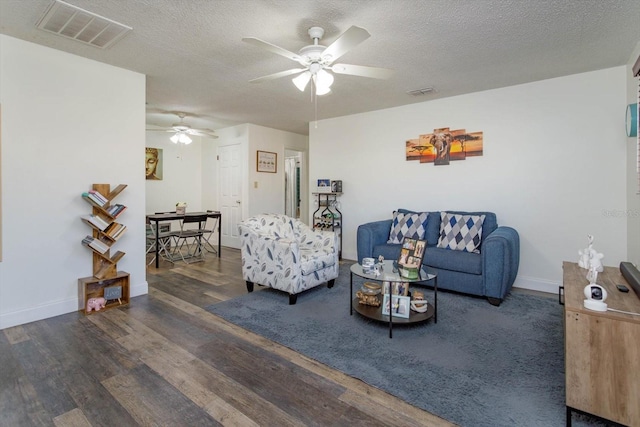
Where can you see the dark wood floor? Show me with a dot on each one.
(165, 361)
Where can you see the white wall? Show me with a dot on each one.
(633, 192)
(553, 166)
(190, 173)
(182, 174)
(266, 190)
(67, 122)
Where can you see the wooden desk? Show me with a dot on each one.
(174, 216)
(602, 349)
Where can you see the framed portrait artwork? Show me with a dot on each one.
(267, 162)
(153, 164)
(400, 306)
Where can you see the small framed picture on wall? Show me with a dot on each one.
(267, 162)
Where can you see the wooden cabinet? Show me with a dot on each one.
(602, 349)
(91, 287)
(105, 232)
(328, 216)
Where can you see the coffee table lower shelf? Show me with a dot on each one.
(375, 313)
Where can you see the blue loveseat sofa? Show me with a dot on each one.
(489, 273)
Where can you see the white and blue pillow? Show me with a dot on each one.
(410, 225)
(460, 232)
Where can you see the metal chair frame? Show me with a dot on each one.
(190, 239)
(208, 232)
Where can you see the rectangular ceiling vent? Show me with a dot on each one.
(420, 92)
(78, 24)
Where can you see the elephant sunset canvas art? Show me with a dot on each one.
(444, 145)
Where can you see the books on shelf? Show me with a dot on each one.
(99, 196)
(116, 210)
(96, 221)
(93, 199)
(95, 244)
(115, 230)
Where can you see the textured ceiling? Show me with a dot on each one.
(195, 61)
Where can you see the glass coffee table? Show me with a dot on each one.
(388, 273)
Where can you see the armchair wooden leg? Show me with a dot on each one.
(293, 298)
(494, 301)
(331, 283)
(249, 286)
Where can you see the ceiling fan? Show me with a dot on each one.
(317, 60)
(182, 131)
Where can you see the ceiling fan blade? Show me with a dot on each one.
(361, 70)
(160, 130)
(347, 41)
(207, 133)
(272, 48)
(204, 134)
(278, 75)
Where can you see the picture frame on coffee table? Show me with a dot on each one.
(397, 288)
(401, 306)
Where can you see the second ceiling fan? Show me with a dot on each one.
(183, 131)
(317, 60)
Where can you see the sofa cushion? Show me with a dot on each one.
(411, 225)
(464, 262)
(388, 251)
(460, 232)
(432, 229)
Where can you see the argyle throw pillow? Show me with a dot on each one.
(412, 226)
(460, 232)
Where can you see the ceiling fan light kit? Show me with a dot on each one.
(182, 138)
(318, 60)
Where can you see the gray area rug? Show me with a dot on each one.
(480, 365)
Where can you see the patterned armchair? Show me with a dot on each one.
(284, 253)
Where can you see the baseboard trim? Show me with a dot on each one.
(55, 308)
(536, 284)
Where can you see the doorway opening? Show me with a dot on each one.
(292, 183)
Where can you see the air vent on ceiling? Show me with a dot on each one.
(423, 91)
(78, 24)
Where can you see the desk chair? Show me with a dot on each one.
(208, 232)
(190, 239)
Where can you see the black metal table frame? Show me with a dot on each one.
(174, 216)
(372, 277)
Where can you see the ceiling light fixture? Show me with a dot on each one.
(181, 137)
(302, 80)
(322, 79)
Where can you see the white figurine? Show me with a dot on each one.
(596, 261)
(589, 257)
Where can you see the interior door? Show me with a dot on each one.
(230, 193)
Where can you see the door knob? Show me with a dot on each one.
(238, 201)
